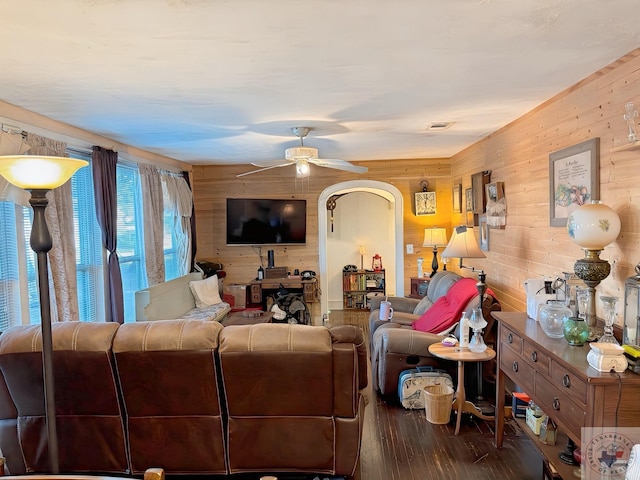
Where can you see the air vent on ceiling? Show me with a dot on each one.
(438, 126)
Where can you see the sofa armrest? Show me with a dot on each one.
(395, 339)
(400, 304)
(352, 334)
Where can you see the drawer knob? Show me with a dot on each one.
(534, 356)
(556, 403)
(515, 366)
(566, 380)
(510, 338)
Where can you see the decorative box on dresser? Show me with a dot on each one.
(559, 380)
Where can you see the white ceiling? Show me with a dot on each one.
(222, 81)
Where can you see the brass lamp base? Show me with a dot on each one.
(592, 270)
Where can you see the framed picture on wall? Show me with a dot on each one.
(468, 197)
(574, 179)
(426, 203)
(457, 198)
(484, 232)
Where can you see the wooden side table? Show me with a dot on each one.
(462, 355)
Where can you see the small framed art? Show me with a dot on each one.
(457, 198)
(468, 197)
(484, 232)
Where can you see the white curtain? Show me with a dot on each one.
(62, 257)
(180, 203)
(153, 221)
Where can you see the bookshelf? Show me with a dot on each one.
(357, 285)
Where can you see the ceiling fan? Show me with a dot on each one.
(302, 156)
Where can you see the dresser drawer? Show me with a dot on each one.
(256, 294)
(517, 369)
(511, 339)
(538, 359)
(560, 406)
(569, 383)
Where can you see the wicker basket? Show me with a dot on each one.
(437, 403)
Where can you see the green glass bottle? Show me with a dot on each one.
(576, 331)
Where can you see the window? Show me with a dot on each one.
(10, 266)
(19, 298)
(170, 242)
(89, 251)
(130, 246)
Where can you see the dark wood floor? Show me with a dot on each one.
(400, 444)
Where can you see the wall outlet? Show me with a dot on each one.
(409, 248)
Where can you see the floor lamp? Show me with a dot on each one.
(38, 175)
(463, 244)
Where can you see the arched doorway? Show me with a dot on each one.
(385, 190)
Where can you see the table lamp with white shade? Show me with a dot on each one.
(434, 237)
(463, 244)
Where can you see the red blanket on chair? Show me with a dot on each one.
(447, 309)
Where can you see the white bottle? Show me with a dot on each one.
(464, 331)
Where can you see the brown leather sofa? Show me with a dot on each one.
(188, 396)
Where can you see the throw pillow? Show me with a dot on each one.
(447, 309)
(205, 292)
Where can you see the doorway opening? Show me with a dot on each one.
(385, 190)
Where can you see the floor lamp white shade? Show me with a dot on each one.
(463, 244)
(39, 174)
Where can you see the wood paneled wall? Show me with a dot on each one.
(214, 184)
(517, 155)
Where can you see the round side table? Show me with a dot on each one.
(462, 355)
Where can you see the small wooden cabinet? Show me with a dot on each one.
(260, 289)
(419, 287)
(356, 286)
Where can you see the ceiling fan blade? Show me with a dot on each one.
(338, 165)
(263, 169)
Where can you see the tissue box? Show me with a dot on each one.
(519, 403)
(534, 423)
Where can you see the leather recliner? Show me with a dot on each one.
(90, 429)
(168, 377)
(395, 346)
(293, 398)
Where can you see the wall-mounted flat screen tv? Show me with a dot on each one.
(260, 221)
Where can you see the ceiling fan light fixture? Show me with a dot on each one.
(302, 169)
(297, 153)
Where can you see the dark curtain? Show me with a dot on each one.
(104, 185)
(194, 245)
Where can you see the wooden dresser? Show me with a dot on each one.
(559, 380)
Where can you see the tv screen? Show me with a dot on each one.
(259, 221)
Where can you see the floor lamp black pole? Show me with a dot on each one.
(41, 243)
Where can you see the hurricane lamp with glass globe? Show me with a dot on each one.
(593, 226)
(477, 324)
